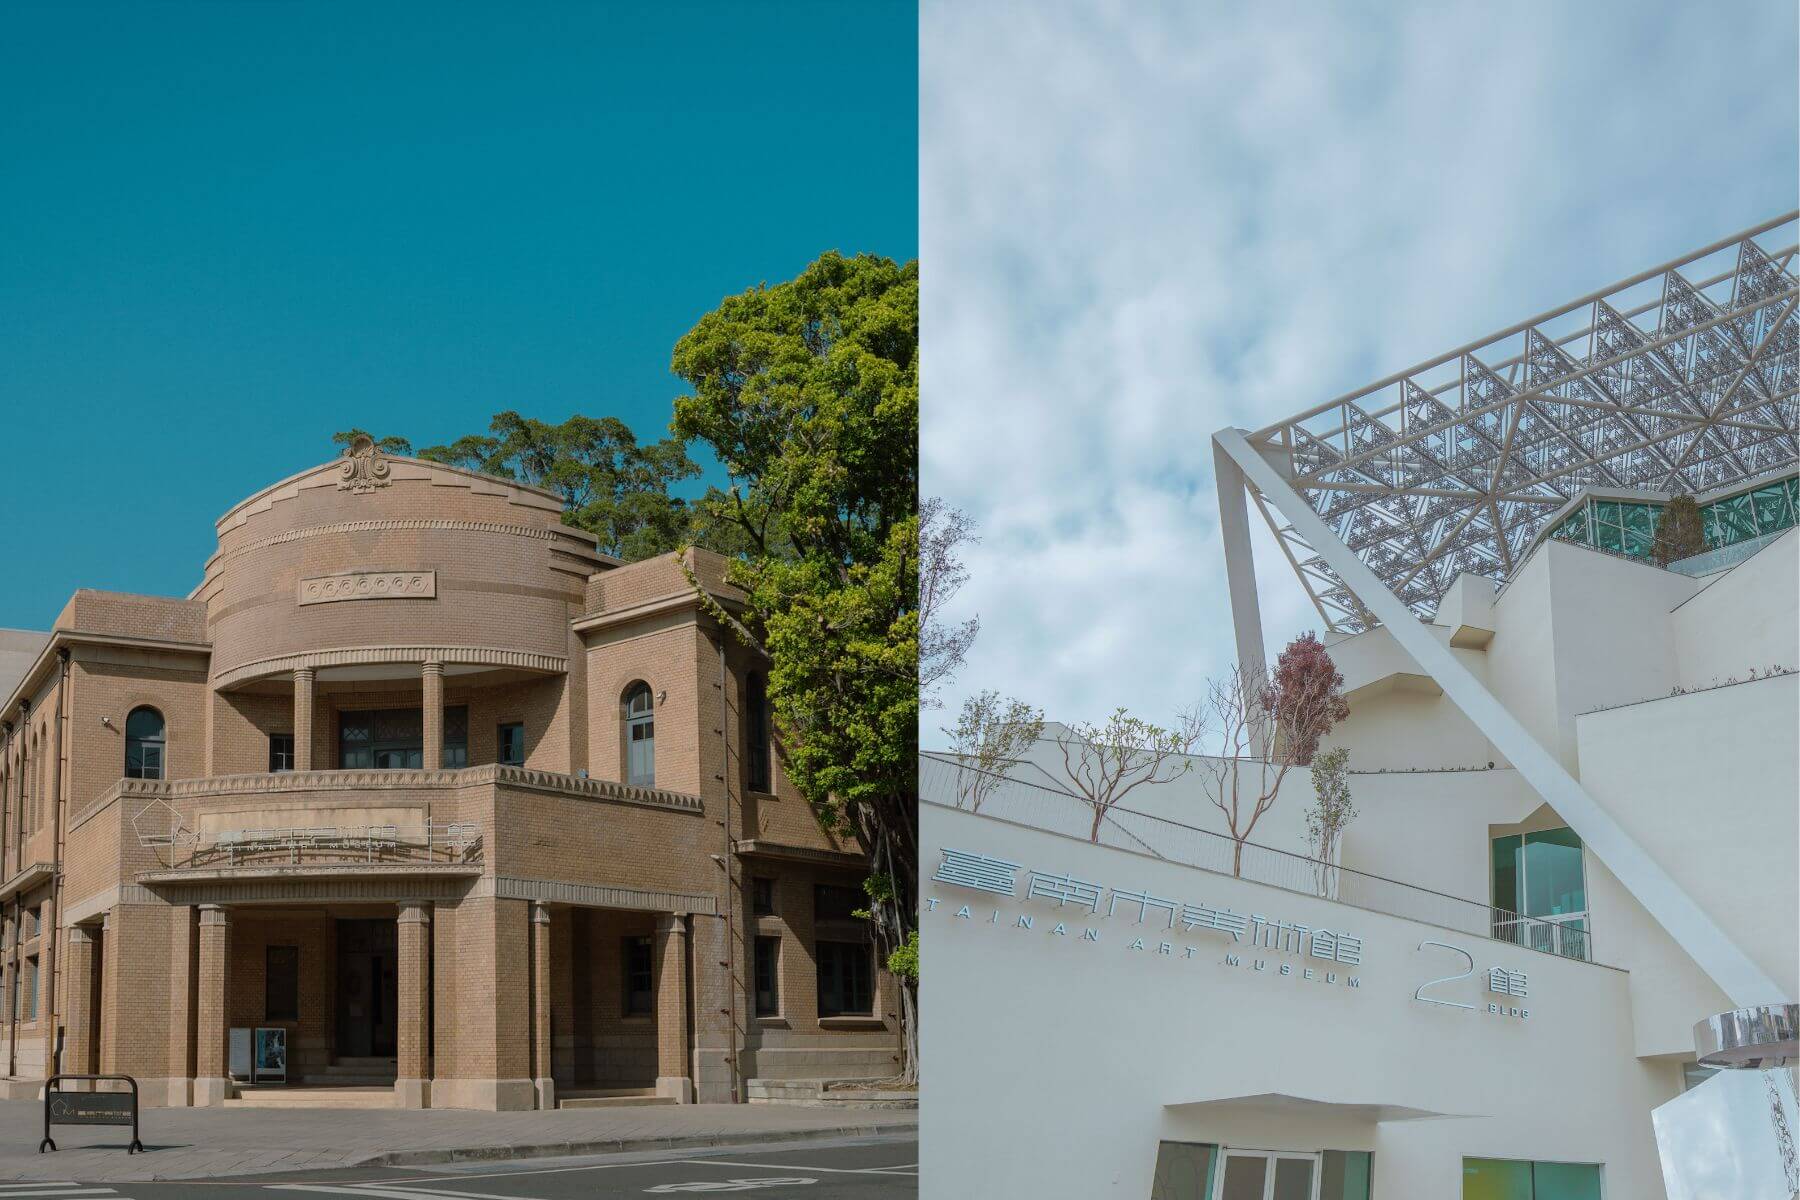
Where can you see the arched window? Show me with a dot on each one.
(144, 744)
(640, 736)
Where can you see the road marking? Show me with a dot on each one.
(8, 1190)
(387, 1190)
(730, 1185)
(719, 1162)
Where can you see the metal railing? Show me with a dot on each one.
(947, 781)
(439, 843)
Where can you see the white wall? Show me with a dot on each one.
(1057, 1063)
(1747, 617)
(1706, 783)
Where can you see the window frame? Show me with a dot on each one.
(844, 954)
(761, 885)
(275, 753)
(141, 742)
(771, 943)
(632, 719)
(500, 743)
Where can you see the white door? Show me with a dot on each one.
(1267, 1175)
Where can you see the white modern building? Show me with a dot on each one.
(1577, 787)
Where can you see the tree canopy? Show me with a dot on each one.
(808, 393)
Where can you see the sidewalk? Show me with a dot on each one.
(195, 1143)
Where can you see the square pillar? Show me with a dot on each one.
(183, 949)
(48, 996)
(715, 1033)
(212, 1079)
(673, 1078)
(78, 1007)
(304, 679)
(433, 676)
(541, 1078)
(412, 1081)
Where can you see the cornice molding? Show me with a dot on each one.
(353, 656)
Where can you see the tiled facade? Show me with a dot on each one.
(484, 934)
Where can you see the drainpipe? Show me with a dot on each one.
(737, 1081)
(6, 801)
(12, 1045)
(56, 806)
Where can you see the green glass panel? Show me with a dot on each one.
(1344, 1175)
(1496, 1179)
(1184, 1171)
(1793, 491)
(1709, 527)
(1553, 880)
(1735, 520)
(1638, 544)
(1639, 518)
(1506, 872)
(1771, 508)
(1609, 537)
(1606, 512)
(1565, 1181)
(1576, 525)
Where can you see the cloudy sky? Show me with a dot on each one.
(1142, 222)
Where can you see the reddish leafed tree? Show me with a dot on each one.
(1306, 697)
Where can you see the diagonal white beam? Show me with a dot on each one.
(1693, 930)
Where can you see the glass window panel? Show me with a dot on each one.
(1184, 1171)
(846, 978)
(1736, 522)
(768, 976)
(1639, 518)
(1793, 493)
(1344, 1175)
(1609, 537)
(1553, 876)
(1606, 512)
(1496, 1179)
(1637, 544)
(1293, 1179)
(1565, 1181)
(1244, 1178)
(1506, 872)
(639, 977)
(512, 745)
(1709, 528)
(1771, 508)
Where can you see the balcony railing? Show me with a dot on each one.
(453, 843)
(949, 782)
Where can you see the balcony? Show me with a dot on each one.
(945, 780)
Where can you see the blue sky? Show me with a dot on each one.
(1145, 221)
(229, 230)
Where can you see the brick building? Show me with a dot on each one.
(419, 777)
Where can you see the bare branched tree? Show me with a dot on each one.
(989, 735)
(1257, 723)
(943, 531)
(1106, 762)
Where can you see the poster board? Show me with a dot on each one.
(271, 1054)
(238, 1061)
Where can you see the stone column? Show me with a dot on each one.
(412, 1082)
(212, 1080)
(304, 678)
(182, 947)
(672, 1035)
(541, 1077)
(433, 673)
(715, 1035)
(78, 1021)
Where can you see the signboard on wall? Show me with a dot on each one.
(238, 1061)
(271, 1054)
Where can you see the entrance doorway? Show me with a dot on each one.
(1268, 1175)
(368, 989)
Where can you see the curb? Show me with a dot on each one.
(417, 1158)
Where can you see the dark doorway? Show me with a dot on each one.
(368, 989)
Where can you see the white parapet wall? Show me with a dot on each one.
(1065, 1043)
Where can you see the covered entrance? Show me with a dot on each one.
(368, 989)
(1268, 1175)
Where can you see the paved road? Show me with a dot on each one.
(862, 1169)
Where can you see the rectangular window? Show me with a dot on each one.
(1503, 1179)
(640, 996)
(756, 737)
(846, 979)
(1184, 1171)
(1540, 875)
(393, 739)
(31, 988)
(1344, 1174)
(281, 752)
(762, 896)
(31, 922)
(832, 902)
(768, 976)
(511, 743)
(281, 983)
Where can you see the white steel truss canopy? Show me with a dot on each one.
(1682, 379)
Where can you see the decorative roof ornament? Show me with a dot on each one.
(365, 467)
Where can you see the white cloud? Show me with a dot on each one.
(1143, 222)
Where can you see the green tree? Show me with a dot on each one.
(808, 393)
(387, 445)
(1680, 532)
(611, 485)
